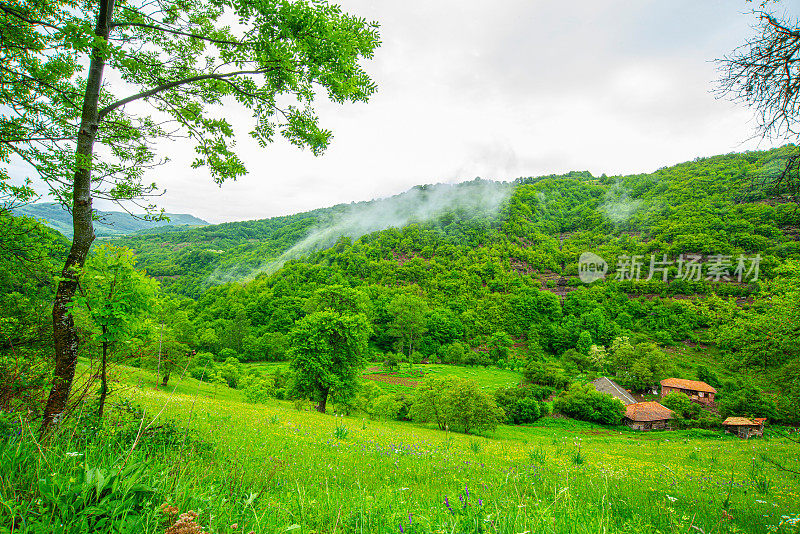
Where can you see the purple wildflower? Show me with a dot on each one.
(467, 490)
(409, 518)
(401, 529)
(480, 502)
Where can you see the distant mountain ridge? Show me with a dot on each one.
(109, 224)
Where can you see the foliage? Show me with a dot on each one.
(745, 400)
(584, 402)
(455, 404)
(328, 350)
(680, 403)
(521, 404)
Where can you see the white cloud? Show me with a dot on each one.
(499, 90)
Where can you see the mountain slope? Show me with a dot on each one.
(108, 224)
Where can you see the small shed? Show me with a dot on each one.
(606, 385)
(697, 391)
(648, 416)
(743, 427)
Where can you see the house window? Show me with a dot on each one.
(700, 394)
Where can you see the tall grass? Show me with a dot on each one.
(271, 468)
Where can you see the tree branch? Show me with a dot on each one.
(174, 32)
(169, 85)
(20, 16)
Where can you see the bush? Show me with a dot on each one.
(680, 403)
(521, 404)
(584, 402)
(453, 353)
(257, 388)
(201, 366)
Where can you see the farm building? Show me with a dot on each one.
(647, 416)
(606, 385)
(744, 427)
(697, 391)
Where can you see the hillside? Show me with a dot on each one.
(108, 223)
(493, 270)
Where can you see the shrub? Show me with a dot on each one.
(680, 403)
(257, 388)
(453, 353)
(201, 366)
(584, 402)
(521, 404)
(395, 406)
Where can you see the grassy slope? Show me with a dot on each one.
(527, 477)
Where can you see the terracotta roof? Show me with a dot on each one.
(647, 411)
(760, 420)
(738, 421)
(691, 385)
(606, 385)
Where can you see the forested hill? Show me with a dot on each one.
(108, 223)
(536, 226)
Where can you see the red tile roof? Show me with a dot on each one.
(647, 411)
(690, 385)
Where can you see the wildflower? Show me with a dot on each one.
(74, 454)
(671, 498)
(726, 516)
(401, 529)
(480, 502)
(169, 510)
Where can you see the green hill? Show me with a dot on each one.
(108, 223)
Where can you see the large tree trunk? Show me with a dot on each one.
(323, 400)
(64, 332)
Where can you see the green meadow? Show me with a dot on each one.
(273, 468)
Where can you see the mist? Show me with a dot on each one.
(618, 205)
(420, 204)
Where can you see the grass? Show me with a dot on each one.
(271, 468)
(489, 378)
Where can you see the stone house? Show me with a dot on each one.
(648, 416)
(743, 427)
(697, 391)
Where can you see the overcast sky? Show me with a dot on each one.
(499, 89)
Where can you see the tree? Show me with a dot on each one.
(408, 314)
(499, 345)
(114, 294)
(76, 75)
(746, 400)
(456, 404)
(328, 352)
